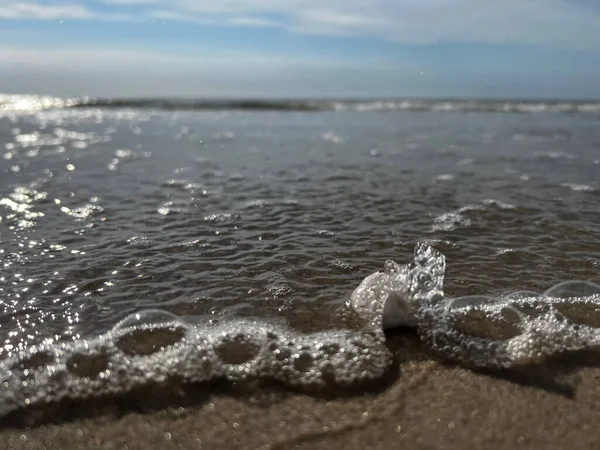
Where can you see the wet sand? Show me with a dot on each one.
(426, 405)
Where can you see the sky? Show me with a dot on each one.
(301, 48)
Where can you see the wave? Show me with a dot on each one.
(33, 103)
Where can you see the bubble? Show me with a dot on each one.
(148, 332)
(303, 361)
(568, 289)
(272, 335)
(146, 317)
(470, 301)
(330, 348)
(476, 323)
(529, 303)
(485, 317)
(532, 307)
(34, 361)
(282, 354)
(146, 341)
(581, 312)
(87, 365)
(328, 373)
(519, 295)
(238, 349)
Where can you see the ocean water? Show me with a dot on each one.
(218, 212)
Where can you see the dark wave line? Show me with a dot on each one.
(25, 103)
(201, 105)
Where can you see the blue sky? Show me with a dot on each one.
(301, 48)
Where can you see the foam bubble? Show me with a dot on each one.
(471, 301)
(568, 289)
(518, 295)
(520, 328)
(146, 317)
(154, 348)
(523, 327)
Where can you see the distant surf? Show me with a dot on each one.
(33, 103)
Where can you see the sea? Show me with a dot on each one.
(276, 210)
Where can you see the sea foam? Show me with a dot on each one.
(155, 348)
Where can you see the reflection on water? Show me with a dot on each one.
(106, 211)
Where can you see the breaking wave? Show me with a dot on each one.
(33, 103)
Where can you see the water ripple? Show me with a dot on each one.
(271, 215)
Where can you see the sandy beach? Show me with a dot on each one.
(427, 405)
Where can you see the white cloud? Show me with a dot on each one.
(253, 22)
(554, 22)
(21, 10)
(57, 11)
(565, 23)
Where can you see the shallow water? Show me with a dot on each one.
(279, 215)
